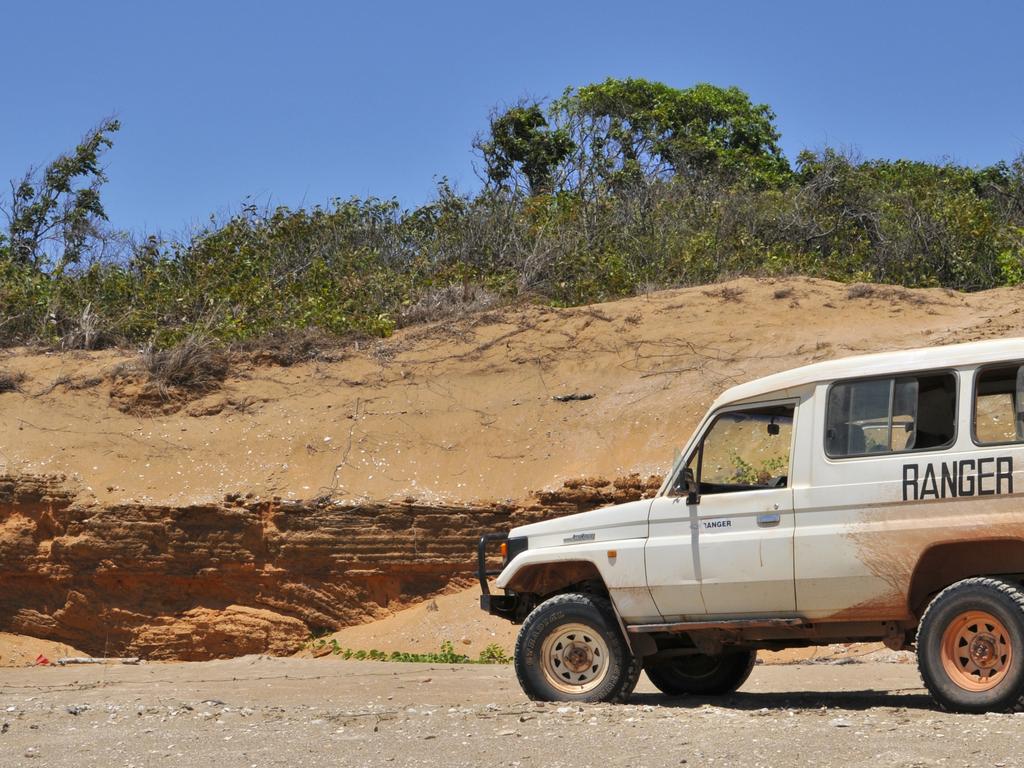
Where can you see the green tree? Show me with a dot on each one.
(522, 150)
(627, 130)
(54, 217)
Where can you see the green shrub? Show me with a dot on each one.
(657, 196)
(492, 654)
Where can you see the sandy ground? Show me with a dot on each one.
(462, 410)
(23, 651)
(255, 712)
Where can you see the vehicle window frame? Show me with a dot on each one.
(709, 423)
(974, 402)
(893, 376)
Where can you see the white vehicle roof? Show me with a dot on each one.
(879, 364)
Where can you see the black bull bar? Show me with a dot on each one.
(496, 605)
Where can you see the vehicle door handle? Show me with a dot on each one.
(768, 520)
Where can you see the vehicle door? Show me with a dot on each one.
(886, 456)
(721, 537)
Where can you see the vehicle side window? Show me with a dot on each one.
(999, 405)
(891, 415)
(745, 450)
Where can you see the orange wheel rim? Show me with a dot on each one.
(976, 651)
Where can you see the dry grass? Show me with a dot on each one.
(87, 382)
(196, 366)
(162, 381)
(73, 384)
(861, 291)
(290, 346)
(866, 291)
(11, 381)
(446, 302)
(70, 384)
(725, 293)
(85, 331)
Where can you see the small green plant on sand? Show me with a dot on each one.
(492, 654)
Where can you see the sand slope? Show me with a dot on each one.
(455, 413)
(463, 410)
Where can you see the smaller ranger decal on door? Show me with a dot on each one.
(967, 477)
(712, 524)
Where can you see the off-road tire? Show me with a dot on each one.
(580, 630)
(970, 647)
(701, 675)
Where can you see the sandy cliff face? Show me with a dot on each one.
(244, 576)
(139, 551)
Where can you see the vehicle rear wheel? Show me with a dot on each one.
(701, 674)
(970, 647)
(571, 649)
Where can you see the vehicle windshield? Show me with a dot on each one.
(745, 449)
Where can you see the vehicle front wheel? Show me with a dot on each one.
(701, 674)
(970, 647)
(571, 649)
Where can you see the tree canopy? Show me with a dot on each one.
(54, 216)
(621, 132)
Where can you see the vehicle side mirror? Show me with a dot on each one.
(692, 490)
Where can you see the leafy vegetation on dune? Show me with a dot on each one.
(612, 189)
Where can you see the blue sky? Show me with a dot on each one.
(300, 102)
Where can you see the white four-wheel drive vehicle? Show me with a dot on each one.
(871, 498)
